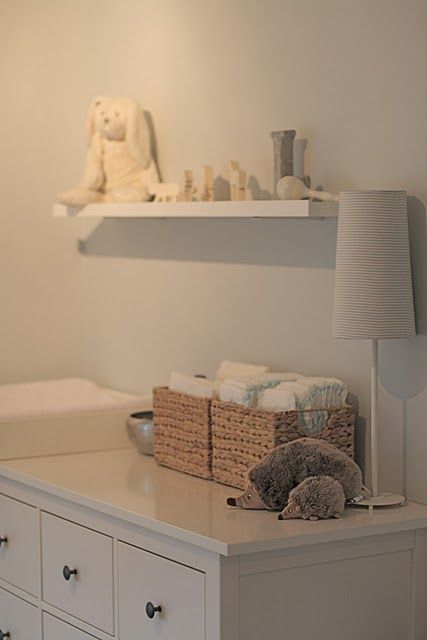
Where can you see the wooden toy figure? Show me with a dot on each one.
(208, 189)
(237, 181)
(189, 189)
(242, 184)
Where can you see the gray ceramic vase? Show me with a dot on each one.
(140, 429)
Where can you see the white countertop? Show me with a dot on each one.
(134, 488)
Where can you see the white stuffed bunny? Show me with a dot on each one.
(119, 164)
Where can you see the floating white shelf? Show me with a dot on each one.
(217, 209)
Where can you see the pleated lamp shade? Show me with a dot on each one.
(373, 283)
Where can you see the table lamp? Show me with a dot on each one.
(373, 289)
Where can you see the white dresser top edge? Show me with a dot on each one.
(133, 488)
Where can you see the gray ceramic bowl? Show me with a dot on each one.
(140, 429)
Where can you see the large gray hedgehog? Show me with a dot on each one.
(315, 497)
(271, 480)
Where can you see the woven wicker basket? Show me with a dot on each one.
(183, 435)
(242, 437)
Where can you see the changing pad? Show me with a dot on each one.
(63, 416)
(71, 395)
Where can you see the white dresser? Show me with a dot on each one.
(109, 545)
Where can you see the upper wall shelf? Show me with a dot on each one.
(217, 209)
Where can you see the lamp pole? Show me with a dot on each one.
(374, 418)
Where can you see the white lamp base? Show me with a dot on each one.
(382, 500)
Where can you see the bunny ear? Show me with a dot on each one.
(90, 124)
(138, 134)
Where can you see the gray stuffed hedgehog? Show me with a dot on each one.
(315, 497)
(271, 481)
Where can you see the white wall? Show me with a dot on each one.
(40, 149)
(218, 77)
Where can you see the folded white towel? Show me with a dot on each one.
(314, 394)
(298, 387)
(191, 385)
(283, 400)
(277, 399)
(245, 391)
(317, 393)
(322, 393)
(234, 390)
(286, 376)
(231, 370)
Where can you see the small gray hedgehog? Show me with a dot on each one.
(271, 480)
(316, 497)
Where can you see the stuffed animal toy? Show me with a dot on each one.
(315, 497)
(271, 480)
(119, 166)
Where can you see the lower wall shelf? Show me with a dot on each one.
(217, 209)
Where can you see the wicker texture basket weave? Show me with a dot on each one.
(183, 435)
(242, 437)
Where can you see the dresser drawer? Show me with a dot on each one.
(54, 629)
(178, 590)
(88, 594)
(18, 618)
(19, 553)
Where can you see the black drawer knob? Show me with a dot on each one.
(3, 540)
(67, 573)
(151, 610)
(5, 634)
